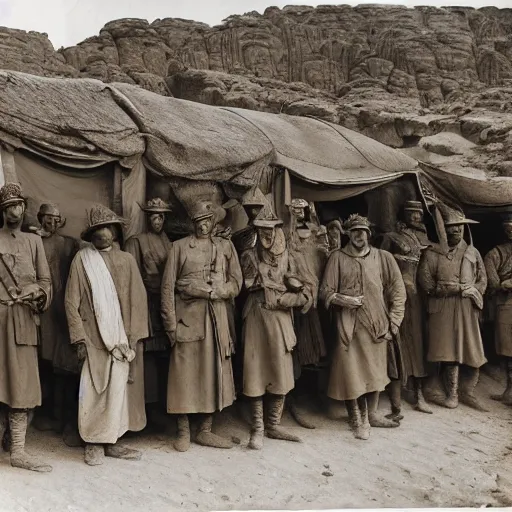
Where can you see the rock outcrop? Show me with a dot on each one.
(396, 74)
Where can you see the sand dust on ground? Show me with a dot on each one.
(450, 458)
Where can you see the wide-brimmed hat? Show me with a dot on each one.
(201, 210)
(155, 205)
(356, 221)
(99, 216)
(415, 206)
(453, 217)
(11, 193)
(254, 197)
(267, 223)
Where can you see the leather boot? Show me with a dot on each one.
(206, 437)
(94, 454)
(375, 419)
(18, 421)
(451, 374)
(257, 429)
(506, 396)
(467, 392)
(275, 405)
(356, 421)
(421, 404)
(182, 443)
(297, 414)
(394, 390)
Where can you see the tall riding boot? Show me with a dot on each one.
(506, 396)
(375, 419)
(451, 374)
(421, 405)
(394, 389)
(467, 392)
(275, 405)
(18, 421)
(257, 429)
(297, 414)
(206, 437)
(182, 443)
(355, 420)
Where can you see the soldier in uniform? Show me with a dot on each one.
(25, 292)
(455, 282)
(150, 251)
(407, 245)
(363, 287)
(268, 334)
(55, 346)
(202, 275)
(498, 263)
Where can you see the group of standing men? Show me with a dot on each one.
(102, 314)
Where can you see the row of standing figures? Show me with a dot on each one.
(104, 316)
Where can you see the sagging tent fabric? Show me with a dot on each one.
(84, 123)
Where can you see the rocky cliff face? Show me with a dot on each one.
(393, 73)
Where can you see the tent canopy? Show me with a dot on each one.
(87, 123)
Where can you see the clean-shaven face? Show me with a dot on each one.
(204, 226)
(156, 222)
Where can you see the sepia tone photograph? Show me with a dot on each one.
(255, 255)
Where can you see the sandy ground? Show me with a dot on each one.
(451, 458)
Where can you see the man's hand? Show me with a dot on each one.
(507, 284)
(117, 354)
(347, 301)
(394, 328)
(31, 292)
(172, 337)
(81, 351)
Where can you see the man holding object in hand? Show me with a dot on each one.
(364, 289)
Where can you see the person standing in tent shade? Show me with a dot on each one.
(407, 244)
(364, 289)
(455, 282)
(107, 315)
(150, 251)
(55, 347)
(202, 275)
(498, 263)
(268, 334)
(25, 293)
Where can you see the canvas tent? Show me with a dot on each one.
(74, 141)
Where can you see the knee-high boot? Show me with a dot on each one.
(375, 419)
(394, 389)
(275, 405)
(206, 437)
(18, 422)
(467, 393)
(257, 428)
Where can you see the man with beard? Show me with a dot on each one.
(498, 264)
(25, 292)
(202, 275)
(268, 334)
(364, 289)
(407, 245)
(150, 251)
(455, 282)
(107, 315)
(55, 347)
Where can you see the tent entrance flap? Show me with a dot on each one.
(73, 190)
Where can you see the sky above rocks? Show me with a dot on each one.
(68, 22)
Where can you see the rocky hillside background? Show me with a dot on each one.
(435, 82)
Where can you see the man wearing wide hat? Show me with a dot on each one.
(455, 282)
(498, 263)
(150, 251)
(268, 334)
(55, 347)
(202, 275)
(407, 244)
(107, 315)
(364, 289)
(25, 292)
